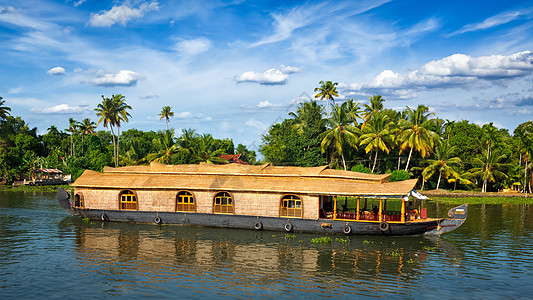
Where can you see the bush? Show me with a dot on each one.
(360, 168)
(399, 175)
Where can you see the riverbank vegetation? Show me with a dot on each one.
(409, 143)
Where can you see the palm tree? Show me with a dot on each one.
(166, 113)
(491, 135)
(353, 111)
(524, 132)
(4, 110)
(167, 147)
(123, 115)
(416, 134)
(204, 150)
(488, 169)
(341, 132)
(376, 105)
(327, 91)
(72, 127)
(443, 162)
(378, 135)
(304, 115)
(86, 127)
(108, 115)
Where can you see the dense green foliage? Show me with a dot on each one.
(412, 143)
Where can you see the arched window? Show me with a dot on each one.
(291, 206)
(128, 200)
(78, 200)
(223, 204)
(185, 201)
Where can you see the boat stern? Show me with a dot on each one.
(63, 197)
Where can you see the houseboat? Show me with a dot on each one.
(262, 197)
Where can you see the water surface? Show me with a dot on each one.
(44, 252)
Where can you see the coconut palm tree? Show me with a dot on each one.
(121, 108)
(378, 135)
(341, 132)
(416, 133)
(376, 105)
(86, 127)
(108, 115)
(327, 90)
(204, 150)
(72, 127)
(488, 169)
(524, 132)
(304, 113)
(166, 113)
(353, 111)
(4, 110)
(443, 163)
(490, 135)
(166, 145)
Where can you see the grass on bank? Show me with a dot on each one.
(36, 189)
(483, 200)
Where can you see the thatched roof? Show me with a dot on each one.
(237, 177)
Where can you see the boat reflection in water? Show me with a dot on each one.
(155, 259)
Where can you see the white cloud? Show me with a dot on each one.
(267, 104)
(271, 76)
(193, 47)
(149, 96)
(121, 14)
(456, 70)
(256, 124)
(497, 20)
(61, 109)
(123, 78)
(189, 115)
(78, 3)
(56, 71)
(15, 90)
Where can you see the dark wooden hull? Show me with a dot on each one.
(323, 226)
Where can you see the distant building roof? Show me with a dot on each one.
(233, 158)
(52, 171)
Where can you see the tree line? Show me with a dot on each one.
(412, 143)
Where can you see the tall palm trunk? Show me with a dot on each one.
(118, 146)
(375, 161)
(409, 159)
(114, 146)
(484, 188)
(343, 161)
(525, 173)
(438, 181)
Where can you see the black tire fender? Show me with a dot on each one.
(103, 217)
(157, 220)
(288, 227)
(347, 229)
(384, 226)
(258, 225)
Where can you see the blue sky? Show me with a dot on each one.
(233, 68)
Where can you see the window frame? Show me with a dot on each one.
(190, 196)
(284, 210)
(227, 207)
(81, 200)
(131, 193)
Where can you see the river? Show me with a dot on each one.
(45, 252)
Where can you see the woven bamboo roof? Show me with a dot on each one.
(241, 178)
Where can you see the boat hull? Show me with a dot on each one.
(323, 226)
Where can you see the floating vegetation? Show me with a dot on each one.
(321, 240)
(290, 236)
(367, 242)
(428, 248)
(274, 235)
(394, 253)
(86, 219)
(341, 240)
(410, 261)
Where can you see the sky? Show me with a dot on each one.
(234, 68)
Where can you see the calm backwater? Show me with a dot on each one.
(46, 253)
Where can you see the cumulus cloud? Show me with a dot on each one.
(61, 109)
(189, 115)
(121, 14)
(457, 70)
(56, 71)
(267, 104)
(122, 78)
(193, 47)
(271, 76)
